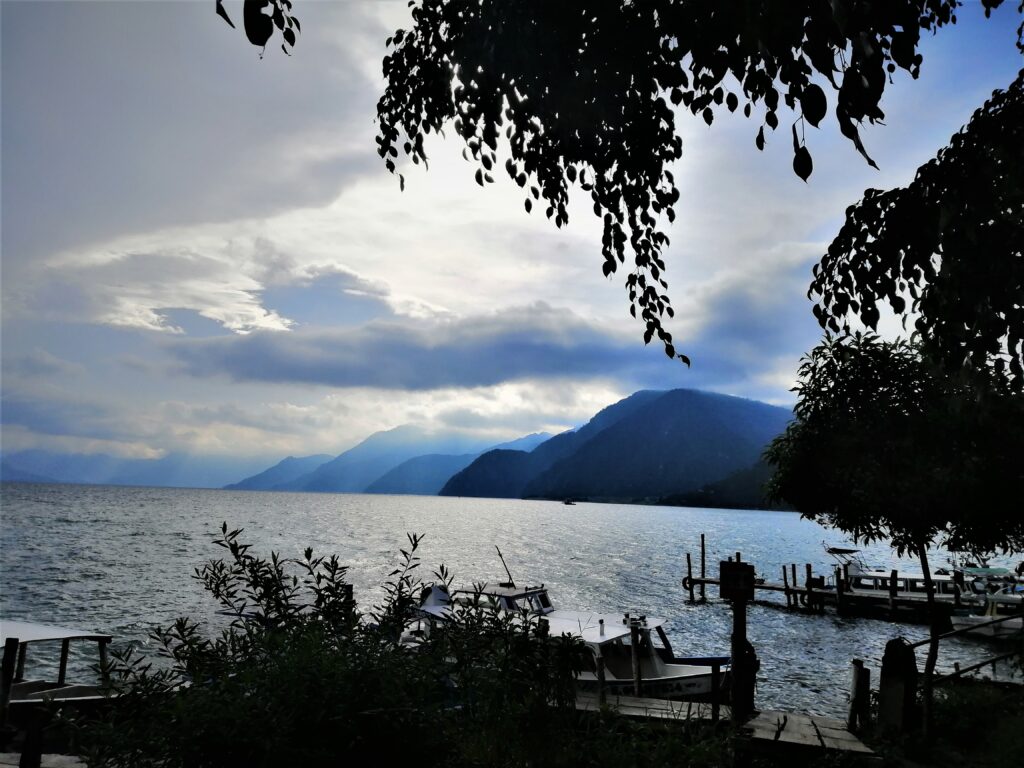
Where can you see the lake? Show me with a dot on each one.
(119, 560)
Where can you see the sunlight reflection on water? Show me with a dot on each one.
(120, 559)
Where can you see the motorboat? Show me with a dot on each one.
(1008, 603)
(622, 647)
(870, 584)
(18, 692)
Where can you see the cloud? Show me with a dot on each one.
(405, 354)
(41, 364)
(130, 117)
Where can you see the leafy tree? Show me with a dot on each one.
(951, 242)
(583, 93)
(886, 445)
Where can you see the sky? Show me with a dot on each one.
(202, 252)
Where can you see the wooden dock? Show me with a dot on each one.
(767, 732)
(47, 761)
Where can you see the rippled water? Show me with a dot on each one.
(119, 560)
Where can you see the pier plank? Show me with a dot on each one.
(784, 729)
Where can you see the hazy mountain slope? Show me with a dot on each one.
(173, 470)
(422, 475)
(506, 474)
(284, 471)
(675, 444)
(12, 474)
(427, 475)
(355, 469)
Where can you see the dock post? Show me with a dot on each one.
(716, 687)
(104, 664)
(62, 672)
(785, 587)
(634, 648)
(703, 572)
(807, 587)
(7, 676)
(602, 683)
(689, 576)
(892, 591)
(860, 693)
(897, 687)
(958, 587)
(736, 584)
(796, 585)
(840, 593)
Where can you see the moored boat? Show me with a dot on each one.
(18, 692)
(1008, 603)
(623, 644)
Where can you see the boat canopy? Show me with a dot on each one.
(27, 632)
(587, 626)
(841, 551)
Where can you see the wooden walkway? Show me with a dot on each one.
(48, 761)
(769, 731)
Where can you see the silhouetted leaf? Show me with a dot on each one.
(802, 164)
(224, 14)
(258, 26)
(813, 104)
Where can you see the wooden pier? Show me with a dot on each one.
(811, 593)
(769, 732)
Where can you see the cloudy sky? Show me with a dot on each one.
(202, 252)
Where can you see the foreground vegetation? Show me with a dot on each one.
(297, 678)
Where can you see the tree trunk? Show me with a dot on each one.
(933, 645)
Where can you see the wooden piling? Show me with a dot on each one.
(807, 586)
(785, 587)
(860, 696)
(794, 582)
(703, 572)
(19, 672)
(893, 587)
(62, 672)
(104, 666)
(602, 683)
(634, 648)
(7, 676)
(689, 576)
(840, 592)
(739, 559)
(716, 683)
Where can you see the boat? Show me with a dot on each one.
(613, 641)
(1008, 602)
(872, 584)
(569, 502)
(18, 693)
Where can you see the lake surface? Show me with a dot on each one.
(120, 560)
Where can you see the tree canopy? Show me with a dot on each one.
(583, 94)
(949, 247)
(888, 445)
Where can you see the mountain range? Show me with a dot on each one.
(646, 447)
(683, 446)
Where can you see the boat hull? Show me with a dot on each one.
(689, 687)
